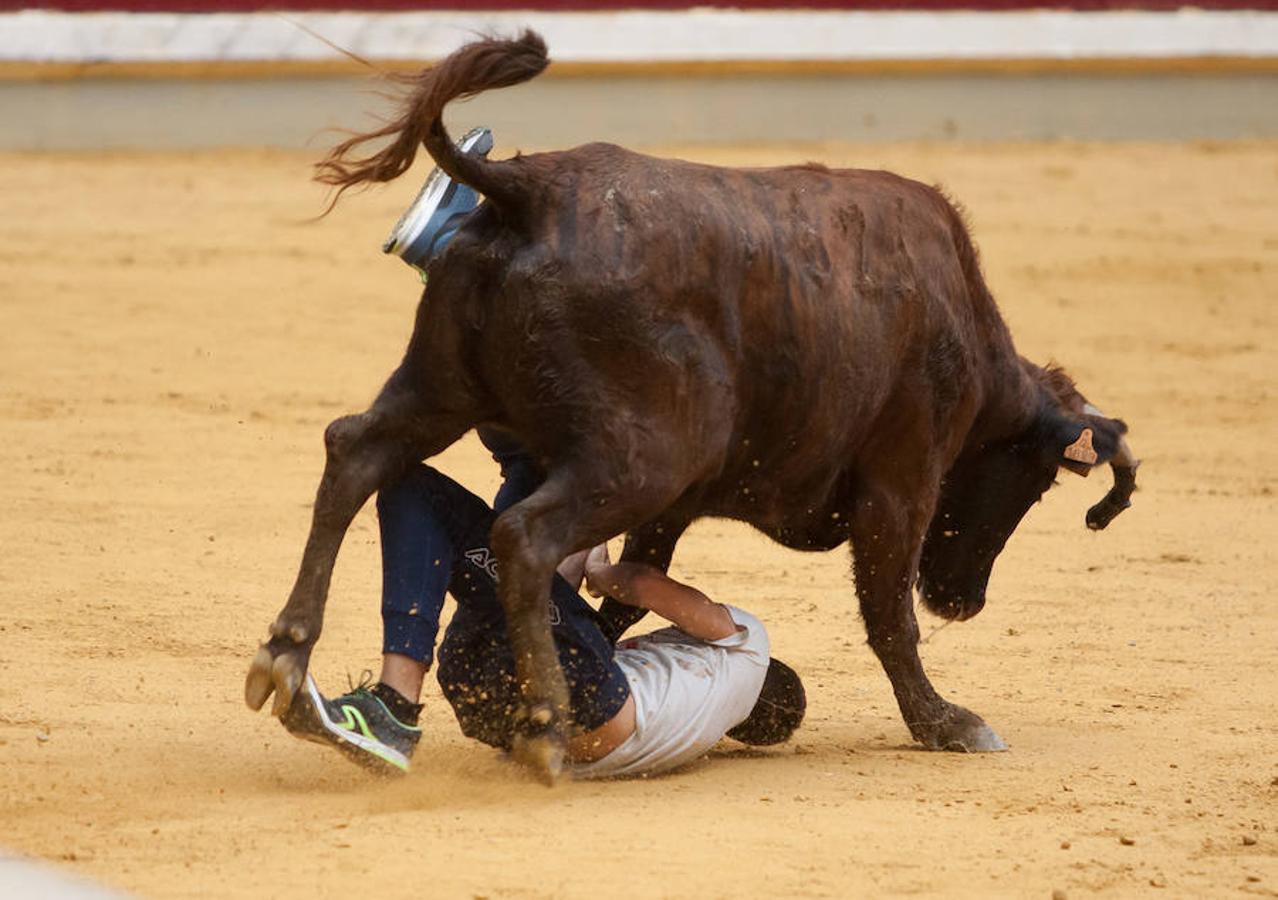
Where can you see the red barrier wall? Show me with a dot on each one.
(578, 5)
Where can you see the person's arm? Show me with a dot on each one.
(573, 569)
(644, 586)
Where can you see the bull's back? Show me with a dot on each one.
(816, 286)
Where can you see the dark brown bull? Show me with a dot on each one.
(812, 352)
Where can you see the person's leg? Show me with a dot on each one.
(423, 518)
(520, 473)
(426, 521)
(414, 541)
(405, 675)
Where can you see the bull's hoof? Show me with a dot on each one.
(982, 739)
(959, 731)
(540, 745)
(543, 755)
(275, 670)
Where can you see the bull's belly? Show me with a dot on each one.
(797, 519)
(808, 536)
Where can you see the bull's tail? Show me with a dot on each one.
(476, 67)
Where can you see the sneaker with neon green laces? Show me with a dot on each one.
(358, 724)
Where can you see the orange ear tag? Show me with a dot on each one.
(1081, 450)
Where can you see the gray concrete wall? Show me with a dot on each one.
(289, 112)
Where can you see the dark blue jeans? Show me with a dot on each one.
(434, 536)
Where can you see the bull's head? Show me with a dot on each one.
(991, 487)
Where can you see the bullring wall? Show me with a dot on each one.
(83, 75)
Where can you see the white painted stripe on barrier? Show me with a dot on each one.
(644, 36)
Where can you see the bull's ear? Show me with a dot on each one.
(1088, 443)
(1081, 455)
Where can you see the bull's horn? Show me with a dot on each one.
(1119, 497)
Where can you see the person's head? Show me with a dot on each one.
(778, 711)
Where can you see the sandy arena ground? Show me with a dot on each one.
(174, 335)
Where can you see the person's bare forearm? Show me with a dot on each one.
(644, 586)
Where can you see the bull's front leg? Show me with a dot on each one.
(887, 534)
(363, 452)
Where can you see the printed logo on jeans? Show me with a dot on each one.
(482, 558)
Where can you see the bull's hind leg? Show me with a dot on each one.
(888, 526)
(364, 452)
(576, 507)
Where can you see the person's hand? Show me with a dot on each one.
(598, 564)
(573, 569)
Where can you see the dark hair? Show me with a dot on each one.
(778, 711)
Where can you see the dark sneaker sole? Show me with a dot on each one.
(429, 214)
(308, 718)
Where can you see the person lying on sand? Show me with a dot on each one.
(652, 704)
(655, 703)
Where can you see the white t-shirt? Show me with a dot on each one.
(688, 693)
